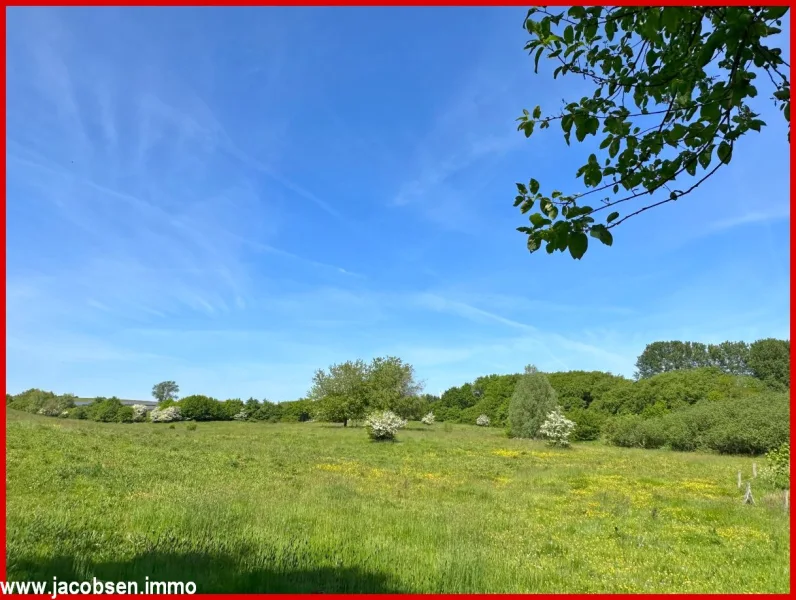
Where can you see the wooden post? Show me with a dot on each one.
(739, 480)
(754, 470)
(748, 499)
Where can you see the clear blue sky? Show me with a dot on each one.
(235, 198)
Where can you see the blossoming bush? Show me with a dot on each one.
(428, 419)
(165, 415)
(383, 425)
(482, 421)
(777, 469)
(556, 428)
(241, 416)
(139, 413)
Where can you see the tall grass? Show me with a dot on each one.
(313, 507)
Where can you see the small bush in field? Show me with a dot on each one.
(139, 412)
(482, 421)
(165, 415)
(777, 469)
(428, 419)
(556, 429)
(191, 427)
(384, 425)
(125, 414)
(172, 426)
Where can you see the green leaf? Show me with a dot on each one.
(578, 244)
(539, 221)
(537, 112)
(724, 152)
(534, 185)
(613, 217)
(566, 123)
(601, 233)
(569, 34)
(521, 188)
(536, 59)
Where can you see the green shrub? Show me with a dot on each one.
(588, 424)
(191, 426)
(104, 410)
(675, 390)
(79, 412)
(769, 360)
(297, 410)
(32, 400)
(200, 408)
(747, 425)
(777, 468)
(533, 399)
(125, 414)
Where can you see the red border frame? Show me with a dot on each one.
(324, 3)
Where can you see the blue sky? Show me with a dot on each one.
(233, 198)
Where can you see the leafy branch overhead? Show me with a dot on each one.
(672, 88)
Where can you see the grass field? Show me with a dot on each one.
(314, 507)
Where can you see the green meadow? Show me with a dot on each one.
(314, 507)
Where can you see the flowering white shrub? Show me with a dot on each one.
(383, 425)
(557, 428)
(241, 416)
(139, 413)
(165, 415)
(428, 419)
(482, 421)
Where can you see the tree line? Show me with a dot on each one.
(729, 397)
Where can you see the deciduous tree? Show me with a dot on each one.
(673, 91)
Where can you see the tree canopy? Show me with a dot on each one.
(165, 391)
(673, 89)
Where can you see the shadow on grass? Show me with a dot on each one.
(210, 573)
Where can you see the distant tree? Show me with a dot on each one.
(662, 357)
(165, 390)
(671, 93)
(730, 357)
(769, 360)
(230, 408)
(392, 386)
(341, 393)
(533, 399)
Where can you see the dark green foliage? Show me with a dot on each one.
(672, 93)
(769, 360)
(30, 401)
(79, 412)
(105, 410)
(125, 414)
(298, 410)
(200, 408)
(269, 412)
(674, 390)
(741, 425)
(165, 390)
(191, 427)
(578, 389)
(230, 408)
(588, 423)
(533, 399)
(661, 357)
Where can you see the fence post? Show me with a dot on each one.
(748, 499)
(754, 470)
(739, 480)
(787, 499)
